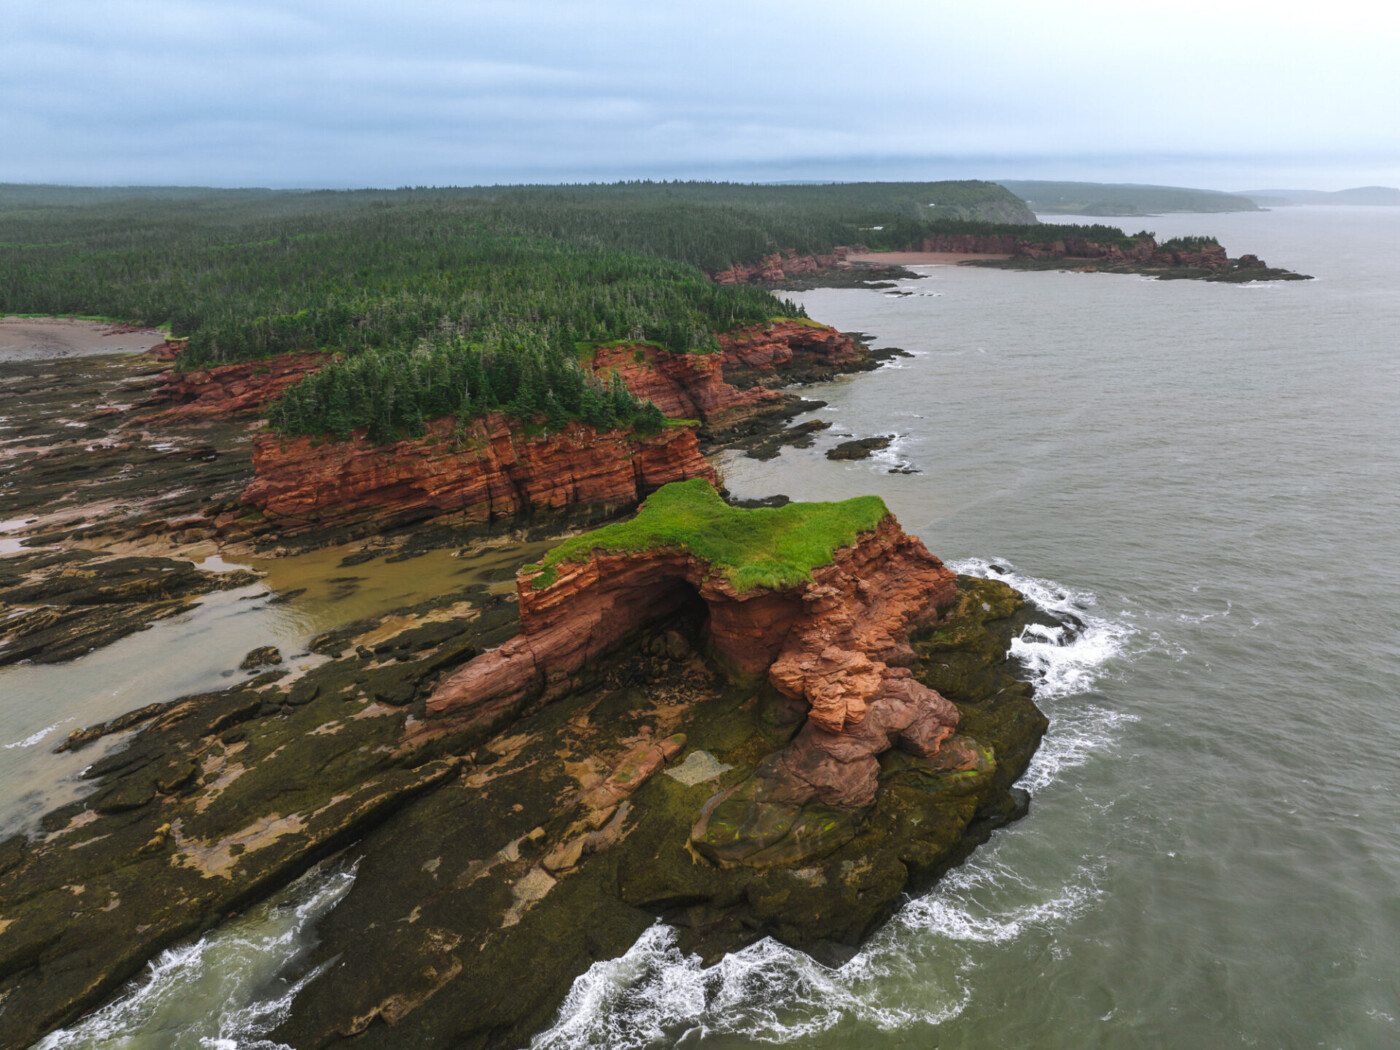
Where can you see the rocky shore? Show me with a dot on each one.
(659, 739)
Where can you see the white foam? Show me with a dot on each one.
(1063, 661)
(655, 996)
(232, 970)
(36, 738)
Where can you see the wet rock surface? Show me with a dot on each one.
(506, 850)
(62, 603)
(479, 903)
(859, 448)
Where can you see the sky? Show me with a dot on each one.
(342, 93)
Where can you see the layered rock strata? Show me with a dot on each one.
(684, 386)
(228, 390)
(490, 469)
(780, 265)
(791, 349)
(485, 470)
(837, 645)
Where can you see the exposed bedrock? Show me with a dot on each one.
(837, 646)
(796, 350)
(486, 470)
(780, 265)
(228, 390)
(684, 386)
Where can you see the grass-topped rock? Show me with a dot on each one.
(763, 547)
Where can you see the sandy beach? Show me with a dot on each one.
(35, 338)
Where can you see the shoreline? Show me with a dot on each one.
(49, 338)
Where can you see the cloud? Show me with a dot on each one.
(307, 92)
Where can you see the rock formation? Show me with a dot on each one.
(489, 470)
(1144, 253)
(228, 390)
(837, 644)
(781, 265)
(790, 348)
(683, 386)
(486, 470)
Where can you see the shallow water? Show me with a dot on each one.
(1210, 474)
(200, 650)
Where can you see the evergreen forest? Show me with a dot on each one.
(440, 302)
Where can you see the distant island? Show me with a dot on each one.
(1361, 195)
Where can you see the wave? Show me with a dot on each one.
(1063, 661)
(233, 974)
(36, 738)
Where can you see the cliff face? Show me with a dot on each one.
(837, 645)
(487, 472)
(684, 386)
(229, 389)
(780, 265)
(788, 349)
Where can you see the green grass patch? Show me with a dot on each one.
(805, 321)
(770, 547)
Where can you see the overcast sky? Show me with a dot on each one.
(1226, 94)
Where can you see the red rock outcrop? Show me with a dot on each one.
(168, 350)
(228, 390)
(693, 386)
(484, 471)
(781, 265)
(683, 386)
(789, 345)
(838, 643)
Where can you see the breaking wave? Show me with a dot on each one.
(240, 966)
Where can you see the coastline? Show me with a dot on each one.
(921, 258)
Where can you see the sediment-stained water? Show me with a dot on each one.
(1204, 477)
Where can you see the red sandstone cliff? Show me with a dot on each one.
(838, 643)
(228, 389)
(487, 471)
(694, 386)
(490, 470)
(767, 351)
(683, 386)
(781, 265)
